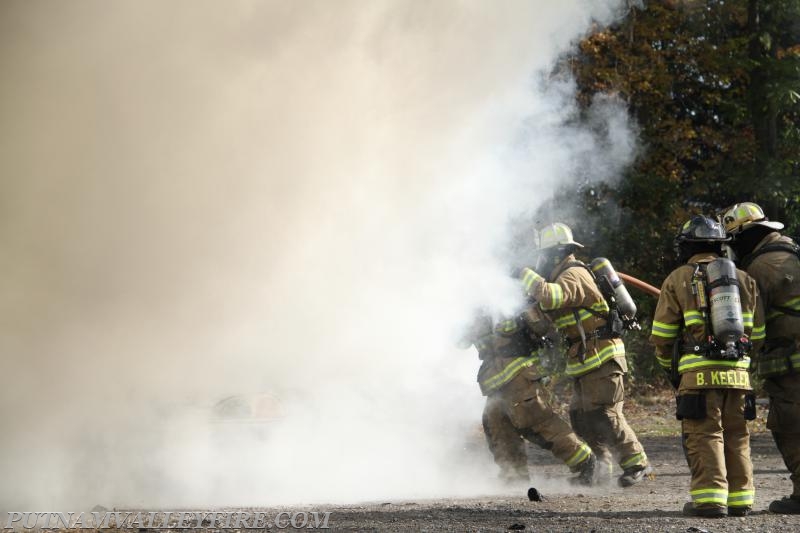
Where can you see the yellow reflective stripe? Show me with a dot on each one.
(693, 317)
(758, 333)
(579, 456)
(710, 496)
(593, 361)
(743, 498)
(509, 372)
(635, 459)
(747, 320)
(667, 331)
(601, 307)
(569, 320)
(529, 278)
(777, 365)
(773, 314)
(564, 321)
(600, 265)
(665, 362)
(556, 297)
(695, 361)
(507, 326)
(794, 303)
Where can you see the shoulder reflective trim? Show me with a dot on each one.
(696, 361)
(556, 299)
(715, 495)
(693, 317)
(509, 372)
(743, 498)
(579, 456)
(634, 460)
(591, 362)
(662, 329)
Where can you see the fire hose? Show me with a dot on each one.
(639, 284)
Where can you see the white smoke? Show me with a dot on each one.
(200, 199)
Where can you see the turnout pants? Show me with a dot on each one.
(597, 417)
(504, 441)
(784, 422)
(717, 445)
(525, 403)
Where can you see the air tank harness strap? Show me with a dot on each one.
(791, 248)
(602, 333)
(723, 280)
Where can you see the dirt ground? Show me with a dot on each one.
(651, 506)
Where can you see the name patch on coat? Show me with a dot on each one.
(734, 379)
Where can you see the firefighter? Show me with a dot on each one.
(510, 377)
(772, 259)
(705, 314)
(596, 354)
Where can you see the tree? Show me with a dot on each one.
(714, 87)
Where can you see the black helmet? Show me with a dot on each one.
(702, 229)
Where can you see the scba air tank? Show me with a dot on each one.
(602, 268)
(725, 303)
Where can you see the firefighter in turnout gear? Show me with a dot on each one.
(703, 327)
(596, 355)
(772, 259)
(510, 378)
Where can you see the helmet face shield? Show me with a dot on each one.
(702, 229)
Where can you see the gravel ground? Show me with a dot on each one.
(652, 505)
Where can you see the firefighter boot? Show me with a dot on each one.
(633, 475)
(787, 505)
(586, 473)
(704, 512)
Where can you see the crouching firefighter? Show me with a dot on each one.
(516, 403)
(707, 320)
(596, 355)
(774, 262)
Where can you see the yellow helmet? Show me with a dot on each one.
(745, 215)
(557, 234)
